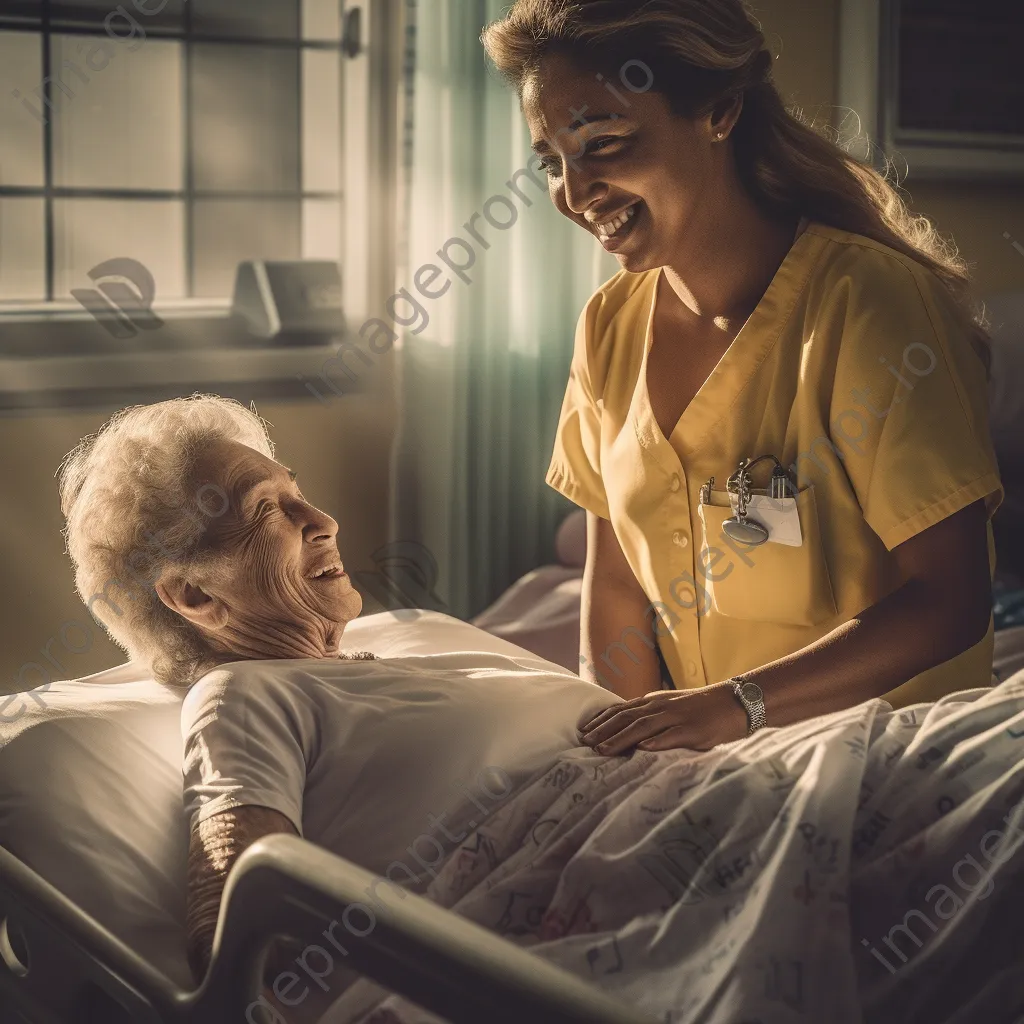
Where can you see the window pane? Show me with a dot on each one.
(126, 19)
(89, 231)
(227, 231)
(22, 115)
(245, 116)
(960, 68)
(261, 19)
(22, 249)
(117, 122)
(321, 121)
(321, 229)
(321, 19)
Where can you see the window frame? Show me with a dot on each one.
(868, 85)
(44, 29)
(55, 357)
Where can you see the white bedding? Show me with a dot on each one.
(90, 796)
(867, 866)
(91, 783)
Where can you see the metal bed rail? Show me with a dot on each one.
(58, 965)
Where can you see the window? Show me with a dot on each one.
(185, 134)
(937, 84)
(958, 68)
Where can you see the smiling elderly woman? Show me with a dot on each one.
(198, 546)
(208, 565)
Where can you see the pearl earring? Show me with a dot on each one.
(720, 136)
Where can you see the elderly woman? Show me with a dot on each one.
(226, 558)
(238, 593)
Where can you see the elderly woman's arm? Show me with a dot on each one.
(214, 847)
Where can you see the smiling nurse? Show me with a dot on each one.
(776, 298)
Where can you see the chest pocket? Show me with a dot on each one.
(771, 582)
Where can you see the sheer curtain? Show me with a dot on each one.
(484, 363)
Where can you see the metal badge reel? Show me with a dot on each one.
(740, 527)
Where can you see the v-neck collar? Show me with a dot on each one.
(747, 351)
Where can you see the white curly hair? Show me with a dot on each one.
(132, 508)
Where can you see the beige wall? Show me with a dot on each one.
(804, 35)
(340, 451)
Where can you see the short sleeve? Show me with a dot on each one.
(575, 468)
(910, 410)
(247, 739)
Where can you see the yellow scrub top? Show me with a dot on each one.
(854, 372)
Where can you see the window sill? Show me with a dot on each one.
(63, 359)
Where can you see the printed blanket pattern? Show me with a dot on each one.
(864, 866)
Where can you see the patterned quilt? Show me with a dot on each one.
(866, 866)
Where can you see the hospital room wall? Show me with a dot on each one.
(976, 214)
(339, 449)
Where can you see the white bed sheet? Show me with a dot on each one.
(91, 784)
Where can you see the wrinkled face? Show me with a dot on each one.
(620, 164)
(268, 595)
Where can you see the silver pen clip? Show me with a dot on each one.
(779, 486)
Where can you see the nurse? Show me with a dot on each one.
(776, 298)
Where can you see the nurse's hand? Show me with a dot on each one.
(668, 719)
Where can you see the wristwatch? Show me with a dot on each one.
(752, 699)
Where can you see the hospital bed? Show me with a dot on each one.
(92, 859)
(92, 866)
(61, 965)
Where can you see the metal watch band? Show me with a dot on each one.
(751, 698)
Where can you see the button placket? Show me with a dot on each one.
(686, 632)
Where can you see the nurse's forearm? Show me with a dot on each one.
(907, 632)
(617, 643)
(943, 609)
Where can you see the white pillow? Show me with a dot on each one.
(90, 798)
(91, 784)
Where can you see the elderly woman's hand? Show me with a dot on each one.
(667, 719)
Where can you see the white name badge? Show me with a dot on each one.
(779, 516)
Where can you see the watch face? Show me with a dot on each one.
(752, 692)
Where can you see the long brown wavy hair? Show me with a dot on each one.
(703, 52)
